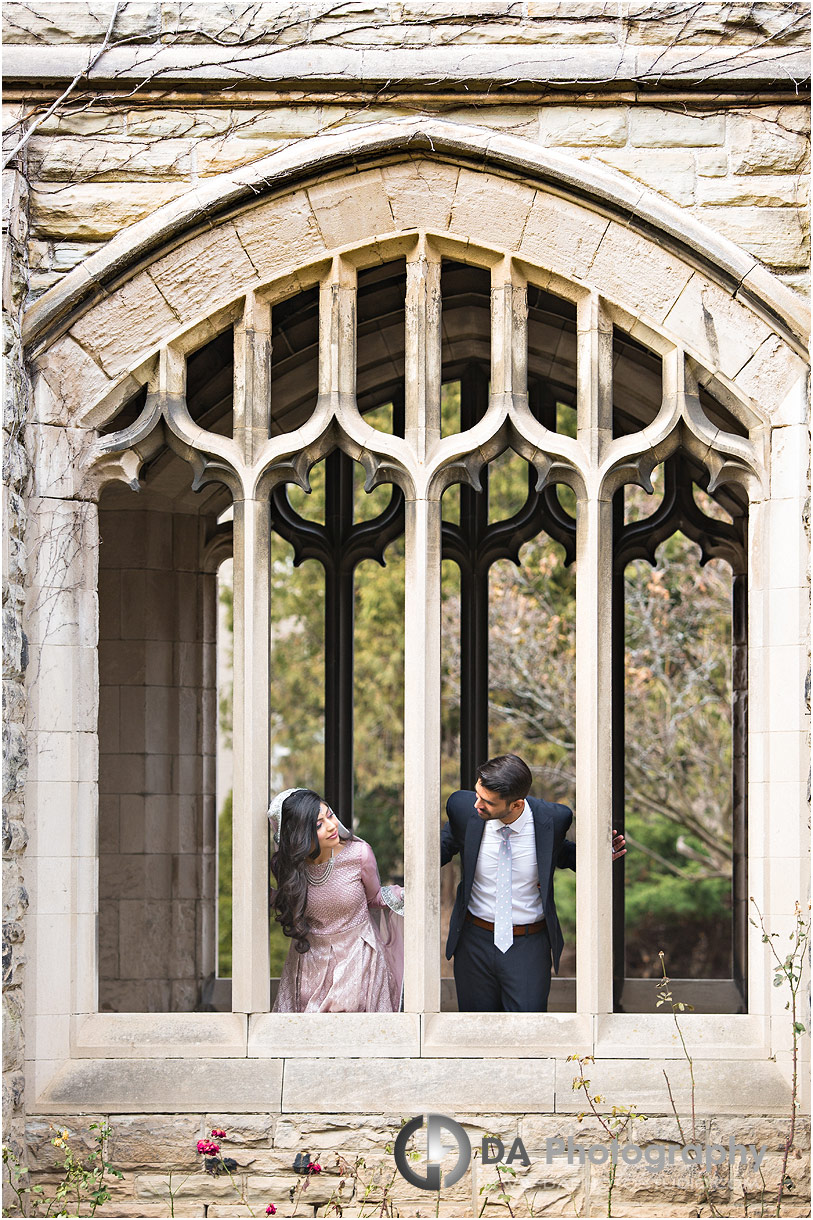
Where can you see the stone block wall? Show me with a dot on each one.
(16, 471)
(157, 709)
(107, 158)
(148, 1148)
(116, 151)
(745, 174)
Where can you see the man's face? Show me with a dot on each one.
(490, 805)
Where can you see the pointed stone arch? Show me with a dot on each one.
(276, 223)
(315, 213)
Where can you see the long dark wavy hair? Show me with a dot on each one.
(297, 844)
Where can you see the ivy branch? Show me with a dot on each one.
(665, 997)
(619, 1122)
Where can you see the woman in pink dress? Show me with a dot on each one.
(347, 931)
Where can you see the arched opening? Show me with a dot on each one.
(680, 739)
(509, 595)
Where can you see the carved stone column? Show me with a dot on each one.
(594, 559)
(422, 640)
(252, 557)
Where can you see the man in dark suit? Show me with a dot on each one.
(504, 929)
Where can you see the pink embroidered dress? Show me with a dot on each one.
(356, 957)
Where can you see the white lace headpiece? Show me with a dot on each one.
(275, 811)
(275, 814)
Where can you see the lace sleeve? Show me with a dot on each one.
(393, 896)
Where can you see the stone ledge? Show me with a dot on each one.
(706, 67)
(708, 1036)
(139, 1086)
(722, 1087)
(391, 1035)
(415, 1086)
(145, 1035)
(504, 1035)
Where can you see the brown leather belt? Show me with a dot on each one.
(519, 929)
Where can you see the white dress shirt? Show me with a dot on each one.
(527, 904)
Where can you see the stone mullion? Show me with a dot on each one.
(168, 380)
(422, 640)
(337, 337)
(422, 354)
(252, 557)
(509, 333)
(252, 377)
(594, 670)
(594, 377)
(250, 959)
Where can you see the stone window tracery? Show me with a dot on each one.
(530, 352)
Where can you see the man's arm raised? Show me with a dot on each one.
(567, 852)
(448, 846)
(449, 842)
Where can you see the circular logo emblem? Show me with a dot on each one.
(436, 1150)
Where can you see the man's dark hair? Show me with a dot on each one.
(507, 775)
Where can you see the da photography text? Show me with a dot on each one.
(653, 1157)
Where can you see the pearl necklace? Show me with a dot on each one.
(320, 880)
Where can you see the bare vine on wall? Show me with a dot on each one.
(243, 45)
(245, 42)
(16, 482)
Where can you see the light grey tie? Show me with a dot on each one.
(504, 906)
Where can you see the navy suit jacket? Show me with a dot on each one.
(463, 833)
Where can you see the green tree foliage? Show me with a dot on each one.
(224, 888)
(278, 940)
(678, 764)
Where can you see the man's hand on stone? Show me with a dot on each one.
(619, 845)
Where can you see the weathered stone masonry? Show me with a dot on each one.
(15, 645)
(700, 110)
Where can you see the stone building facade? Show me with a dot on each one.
(632, 182)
